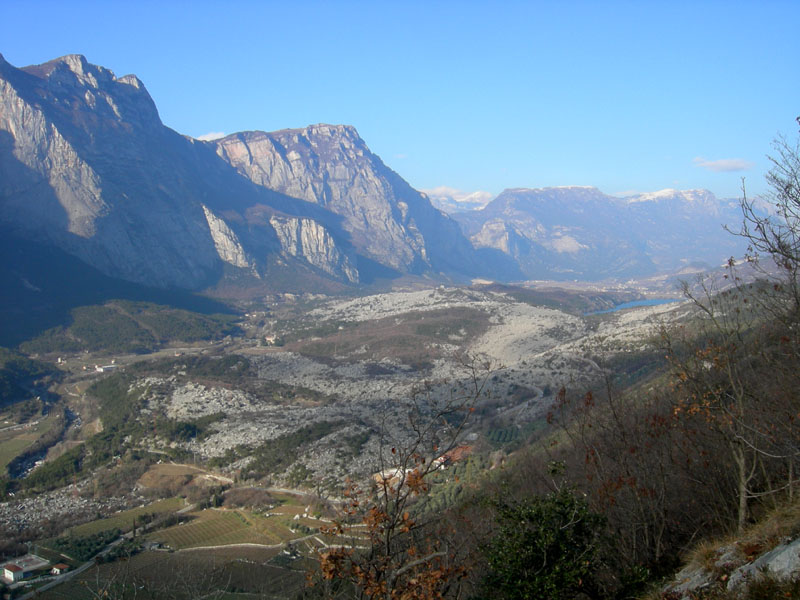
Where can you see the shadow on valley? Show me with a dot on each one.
(42, 285)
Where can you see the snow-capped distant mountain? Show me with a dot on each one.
(451, 200)
(582, 233)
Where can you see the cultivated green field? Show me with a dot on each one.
(222, 527)
(14, 441)
(243, 574)
(124, 520)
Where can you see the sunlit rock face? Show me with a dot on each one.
(330, 165)
(88, 166)
(309, 240)
(229, 248)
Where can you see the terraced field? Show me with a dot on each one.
(251, 572)
(173, 477)
(222, 527)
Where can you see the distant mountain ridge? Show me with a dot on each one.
(578, 232)
(452, 201)
(87, 166)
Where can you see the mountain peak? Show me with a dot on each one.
(554, 188)
(76, 64)
(574, 192)
(320, 130)
(310, 132)
(328, 129)
(76, 67)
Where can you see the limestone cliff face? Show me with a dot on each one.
(74, 142)
(37, 144)
(87, 165)
(307, 239)
(227, 243)
(330, 165)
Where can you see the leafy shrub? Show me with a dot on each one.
(545, 547)
(85, 547)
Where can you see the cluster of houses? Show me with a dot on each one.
(99, 368)
(28, 566)
(394, 477)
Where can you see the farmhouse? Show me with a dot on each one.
(12, 572)
(455, 455)
(389, 478)
(23, 567)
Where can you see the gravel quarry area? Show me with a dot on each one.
(380, 306)
(531, 351)
(69, 503)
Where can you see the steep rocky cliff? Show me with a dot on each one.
(88, 166)
(307, 239)
(227, 243)
(330, 165)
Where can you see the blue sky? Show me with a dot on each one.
(625, 96)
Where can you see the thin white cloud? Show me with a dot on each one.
(211, 136)
(723, 165)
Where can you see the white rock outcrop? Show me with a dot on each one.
(305, 238)
(330, 165)
(227, 243)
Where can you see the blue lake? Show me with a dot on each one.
(634, 304)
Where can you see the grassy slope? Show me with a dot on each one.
(124, 326)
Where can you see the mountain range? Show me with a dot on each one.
(581, 233)
(87, 168)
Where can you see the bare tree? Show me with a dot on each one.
(776, 233)
(737, 362)
(382, 547)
